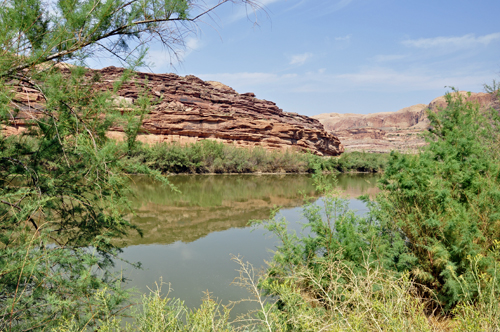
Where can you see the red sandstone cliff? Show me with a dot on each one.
(383, 132)
(188, 109)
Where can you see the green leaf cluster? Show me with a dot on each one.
(209, 156)
(350, 162)
(63, 201)
(36, 31)
(445, 202)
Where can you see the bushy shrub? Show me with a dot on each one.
(62, 200)
(209, 156)
(444, 203)
(157, 313)
(350, 162)
(340, 275)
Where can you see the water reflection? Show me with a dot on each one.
(215, 203)
(189, 237)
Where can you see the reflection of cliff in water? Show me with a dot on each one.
(209, 204)
(357, 184)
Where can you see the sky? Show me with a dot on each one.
(343, 56)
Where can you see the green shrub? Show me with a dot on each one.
(341, 276)
(209, 156)
(444, 203)
(333, 277)
(350, 162)
(62, 199)
(157, 313)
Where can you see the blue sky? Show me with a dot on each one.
(345, 56)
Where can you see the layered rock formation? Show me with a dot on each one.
(188, 109)
(387, 131)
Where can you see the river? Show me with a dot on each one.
(189, 237)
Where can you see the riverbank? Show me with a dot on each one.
(210, 157)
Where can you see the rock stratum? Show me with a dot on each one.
(387, 131)
(188, 109)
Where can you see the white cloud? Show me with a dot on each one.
(236, 80)
(298, 4)
(378, 79)
(191, 44)
(379, 76)
(466, 41)
(163, 60)
(325, 6)
(343, 38)
(267, 2)
(339, 5)
(340, 42)
(251, 12)
(410, 80)
(388, 57)
(300, 59)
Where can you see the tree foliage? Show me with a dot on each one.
(63, 200)
(445, 201)
(63, 183)
(37, 31)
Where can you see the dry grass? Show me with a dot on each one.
(375, 300)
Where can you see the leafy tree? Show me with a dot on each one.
(63, 184)
(444, 203)
(37, 31)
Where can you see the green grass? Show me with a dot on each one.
(352, 162)
(215, 157)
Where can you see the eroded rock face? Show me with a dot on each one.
(191, 109)
(387, 131)
(188, 109)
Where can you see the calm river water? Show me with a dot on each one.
(189, 237)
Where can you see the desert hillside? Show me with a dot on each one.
(386, 131)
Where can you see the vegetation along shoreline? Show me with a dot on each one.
(209, 157)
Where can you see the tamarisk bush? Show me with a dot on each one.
(444, 203)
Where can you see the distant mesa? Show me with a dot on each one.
(188, 109)
(387, 131)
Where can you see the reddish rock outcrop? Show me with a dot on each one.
(387, 131)
(188, 109)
